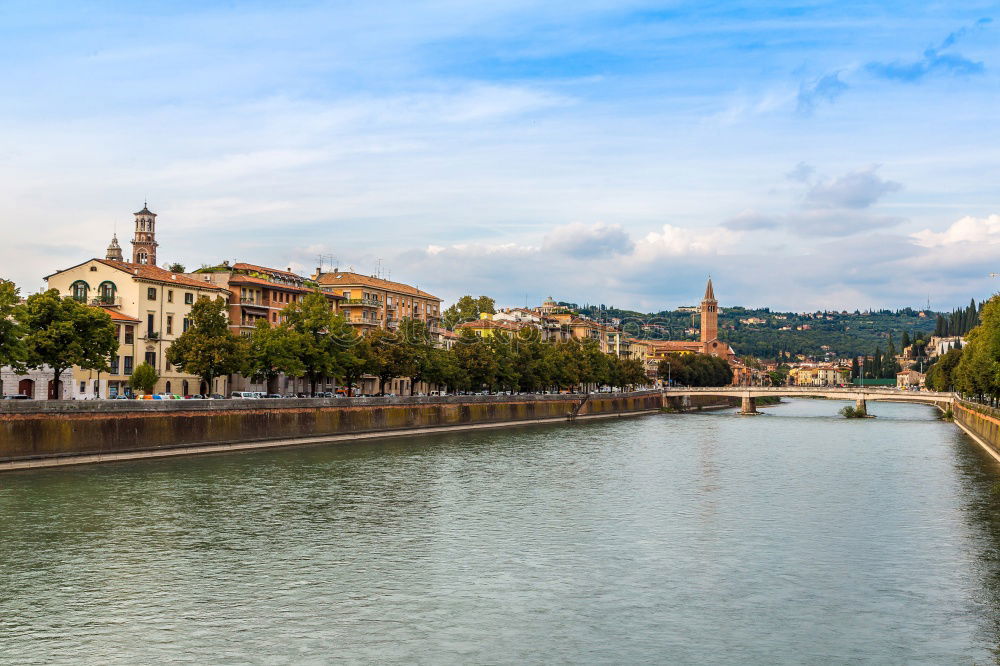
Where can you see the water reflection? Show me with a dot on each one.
(701, 538)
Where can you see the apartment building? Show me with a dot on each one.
(149, 307)
(370, 302)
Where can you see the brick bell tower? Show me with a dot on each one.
(709, 315)
(144, 242)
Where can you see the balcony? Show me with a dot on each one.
(370, 302)
(114, 301)
(152, 336)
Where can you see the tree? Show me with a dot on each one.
(12, 349)
(143, 378)
(390, 358)
(62, 333)
(473, 356)
(317, 331)
(269, 352)
(416, 339)
(467, 308)
(176, 268)
(207, 348)
(354, 353)
(941, 375)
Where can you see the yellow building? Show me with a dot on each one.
(149, 307)
(819, 375)
(370, 302)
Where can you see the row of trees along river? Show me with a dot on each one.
(313, 342)
(973, 370)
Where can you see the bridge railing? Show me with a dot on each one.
(848, 390)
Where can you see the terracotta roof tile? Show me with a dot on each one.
(357, 280)
(157, 274)
(118, 316)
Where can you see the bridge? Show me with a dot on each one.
(860, 395)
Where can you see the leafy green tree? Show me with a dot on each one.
(62, 333)
(355, 359)
(144, 378)
(416, 340)
(319, 337)
(443, 370)
(941, 375)
(467, 308)
(390, 357)
(207, 348)
(474, 357)
(269, 352)
(176, 268)
(12, 350)
(978, 370)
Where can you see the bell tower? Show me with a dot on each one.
(144, 242)
(709, 315)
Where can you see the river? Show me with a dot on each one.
(793, 537)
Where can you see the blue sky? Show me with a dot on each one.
(808, 155)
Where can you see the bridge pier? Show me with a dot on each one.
(861, 406)
(749, 406)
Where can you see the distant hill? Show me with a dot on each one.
(770, 335)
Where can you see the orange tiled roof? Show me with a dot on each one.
(345, 279)
(157, 274)
(118, 316)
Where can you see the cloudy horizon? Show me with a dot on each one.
(835, 156)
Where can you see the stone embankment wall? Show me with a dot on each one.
(34, 430)
(981, 422)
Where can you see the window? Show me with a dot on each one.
(170, 295)
(114, 364)
(151, 358)
(79, 289)
(127, 365)
(129, 334)
(188, 298)
(170, 325)
(83, 387)
(106, 293)
(150, 331)
(186, 324)
(168, 387)
(151, 293)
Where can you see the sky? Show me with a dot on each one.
(808, 155)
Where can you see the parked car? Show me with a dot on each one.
(243, 395)
(16, 396)
(272, 395)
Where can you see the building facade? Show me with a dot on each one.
(149, 307)
(370, 302)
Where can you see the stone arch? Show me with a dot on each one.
(26, 387)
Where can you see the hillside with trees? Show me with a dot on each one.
(787, 335)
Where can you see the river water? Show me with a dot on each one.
(793, 537)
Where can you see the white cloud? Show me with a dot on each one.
(678, 241)
(589, 241)
(857, 189)
(971, 230)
